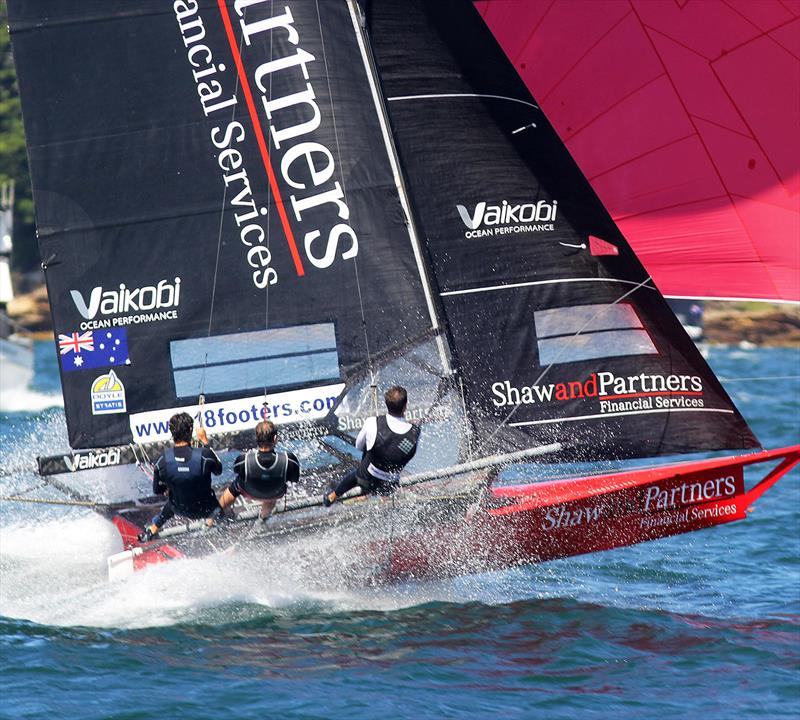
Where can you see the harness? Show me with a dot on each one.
(184, 479)
(177, 470)
(389, 454)
(265, 483)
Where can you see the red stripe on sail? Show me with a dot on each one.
(646, 394)
(262, 144)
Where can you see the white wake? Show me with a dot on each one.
(30, 401)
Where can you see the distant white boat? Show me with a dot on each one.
(16, 364)
(690, 313)
(16, 349)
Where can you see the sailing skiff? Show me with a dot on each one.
(255, 210)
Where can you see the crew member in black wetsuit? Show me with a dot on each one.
(184, 473)
(262, 474)
(388, 443)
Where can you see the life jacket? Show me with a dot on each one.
(389, 454)
(190, 492)
(265, 483)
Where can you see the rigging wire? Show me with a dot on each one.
(757, 379)
(219, 240)
(390, 544)
(32, 488)
(373, 385)
(145, 465)
(467, 424)
(544, 372)
(269, 198)
(14, 470)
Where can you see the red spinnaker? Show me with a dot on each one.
(685, 117)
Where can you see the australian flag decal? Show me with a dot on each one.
(93, 349)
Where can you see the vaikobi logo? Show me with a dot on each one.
(94, 459)
(112, 303)
(486, 220)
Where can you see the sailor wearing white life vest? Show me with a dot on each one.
(388, 443)
(262, 474)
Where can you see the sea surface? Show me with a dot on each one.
(705, 625)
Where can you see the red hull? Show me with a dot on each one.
(541, 521)
(548, 520)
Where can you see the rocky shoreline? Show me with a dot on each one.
(763, 324)
(726, 323)
(31, 310)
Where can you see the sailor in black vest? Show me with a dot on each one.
(388, 443)
(184, 473)
(262, 474)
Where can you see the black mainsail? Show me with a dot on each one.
(217, 211)
(558, 331)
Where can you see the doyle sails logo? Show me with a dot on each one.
(486, 220)
(108, 395)
(131, 303)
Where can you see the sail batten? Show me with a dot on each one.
(532, 283)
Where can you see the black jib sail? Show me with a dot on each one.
(557, 328)
(217, 211)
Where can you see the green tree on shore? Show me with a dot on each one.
(13, 157)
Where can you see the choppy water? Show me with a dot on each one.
(704, 625)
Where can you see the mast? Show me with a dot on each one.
(413, 233)
(443, 338)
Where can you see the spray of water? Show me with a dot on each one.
(54, 573)
(28, 401)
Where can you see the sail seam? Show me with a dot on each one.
(533, 32)
(219, 244)
(344, 188)
(701, 137)
(436, 96)
(581, 58)
(626, 413)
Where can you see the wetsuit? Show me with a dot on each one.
(263, 474)
(388, 443)
(184, 473)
